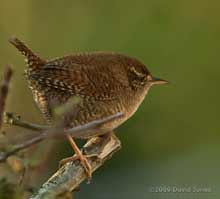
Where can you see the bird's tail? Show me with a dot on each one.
(32, 60)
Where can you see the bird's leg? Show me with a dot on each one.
(78, 155)
(82, 156)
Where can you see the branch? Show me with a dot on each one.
(72, 174)
(54, 132)
(4, 91)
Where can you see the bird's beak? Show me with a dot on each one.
(156, 80)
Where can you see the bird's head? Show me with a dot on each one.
(140, 78)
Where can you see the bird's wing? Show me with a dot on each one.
(89, 81)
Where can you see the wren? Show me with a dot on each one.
(106, 83)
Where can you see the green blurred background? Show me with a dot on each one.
(173, 139)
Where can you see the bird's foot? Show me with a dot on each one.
(83, 160)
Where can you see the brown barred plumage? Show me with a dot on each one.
(106, 83)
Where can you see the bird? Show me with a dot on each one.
(105, 82)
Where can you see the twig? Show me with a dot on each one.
(71, 175)
(13, 119)
(19, 147)
(57, 132)
(4, 91)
